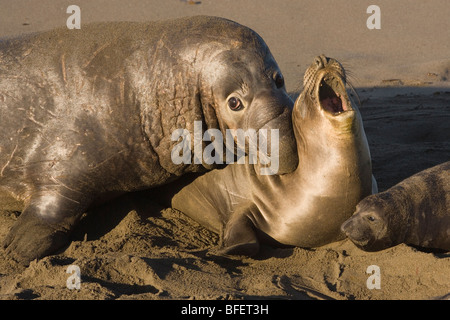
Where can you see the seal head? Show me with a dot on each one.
(248, 92)
(324, 99)
(368, 228)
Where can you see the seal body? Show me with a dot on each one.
(89, 113)
(416, 211)
(306, 207)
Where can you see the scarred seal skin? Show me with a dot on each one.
(304, 208)
(415, 211)
(85, 114)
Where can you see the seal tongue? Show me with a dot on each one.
(329, 99)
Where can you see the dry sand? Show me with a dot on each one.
(133, 248)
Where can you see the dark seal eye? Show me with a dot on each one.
(279, 80)
(235, 104)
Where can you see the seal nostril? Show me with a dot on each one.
(321, 61)
(318, 62)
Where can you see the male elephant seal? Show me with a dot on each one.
(416, 211)
(307, 207)
(89, 113)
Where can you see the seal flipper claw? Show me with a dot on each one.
(23, 246)
(50, 231)
(242, 249)
(240, 237)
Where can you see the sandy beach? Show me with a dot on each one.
(135, 248)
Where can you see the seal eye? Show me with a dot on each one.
(371, 218)
(235, 104)
(279, 80)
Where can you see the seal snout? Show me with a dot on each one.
(353, 230)
(346, 226)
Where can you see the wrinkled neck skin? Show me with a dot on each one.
(178, 97)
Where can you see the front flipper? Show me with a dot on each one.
(240, 236)
(213, 197)
(221, 199)
(42, 228)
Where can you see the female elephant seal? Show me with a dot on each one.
(307, 207)
(88, 113)
(416, 211)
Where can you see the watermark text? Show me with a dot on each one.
(222, 150)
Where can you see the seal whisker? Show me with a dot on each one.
(353, 90)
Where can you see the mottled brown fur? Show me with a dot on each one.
(416, 211)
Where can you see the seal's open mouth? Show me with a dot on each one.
(332, 95)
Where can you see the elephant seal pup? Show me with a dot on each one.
(88, 113)
(416, 211)
(307, 207)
